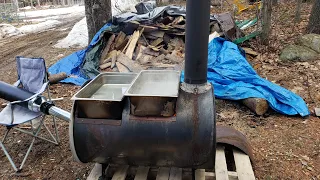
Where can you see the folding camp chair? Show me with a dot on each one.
(32, 76)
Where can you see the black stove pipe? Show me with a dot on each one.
(11, 93)
(197, 34)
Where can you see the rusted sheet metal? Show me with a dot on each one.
(186, 139)
(230, 136)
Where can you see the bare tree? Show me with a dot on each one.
(98, 13)
(298, 11)
(16, 5)
(274, 2)
(266, 21)
(314, 20)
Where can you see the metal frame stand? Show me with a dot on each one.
(33, 133)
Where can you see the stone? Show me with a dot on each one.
(311, 41)
(298, 53)
(317, 111)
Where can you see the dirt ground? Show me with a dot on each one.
(285, 147)
(46, 161)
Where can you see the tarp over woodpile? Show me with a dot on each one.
(228, 70)
(233, 78)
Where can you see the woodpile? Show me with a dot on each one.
(158, 45)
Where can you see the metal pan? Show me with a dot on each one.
(161, 83)
(106, 87)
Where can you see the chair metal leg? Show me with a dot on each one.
(39, 128)
(5, 135)
(55, 140)
(55, 128)
(27, 154)
(31, 145)
(53, 118)
(8, 156)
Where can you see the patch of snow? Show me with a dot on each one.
(77, 37)
(26, 8)
(7, 30)
(32, 28)
(52, 12)
(121, 6)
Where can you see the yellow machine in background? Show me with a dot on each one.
(242, 5)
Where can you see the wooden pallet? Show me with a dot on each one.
(230, 164)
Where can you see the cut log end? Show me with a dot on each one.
(55, 78)
(257, 105)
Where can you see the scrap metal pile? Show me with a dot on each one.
(155, 43)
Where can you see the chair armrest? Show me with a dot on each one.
(16, 84)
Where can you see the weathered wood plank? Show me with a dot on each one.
(243, 166)
(200, 174)
(96, 172)
(212, 176)
(142, 173)
(163, 173)
(221, 170)
(121, 173)
(175, 174)
(134, 39)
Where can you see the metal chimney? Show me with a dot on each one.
(197, 34)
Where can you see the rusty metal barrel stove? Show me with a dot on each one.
(150, 118)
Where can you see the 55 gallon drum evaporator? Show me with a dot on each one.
(149, 118)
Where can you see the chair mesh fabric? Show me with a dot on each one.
(31, 73)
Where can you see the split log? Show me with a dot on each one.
(128, 42)
(109, 57)
(142, 41)
(122, 68)
(145, 59)
(174, 58)
(139, 52)
(126, 61)
(119, 40)
(107, 48)
(161, 65)
(148, 28)
(257, 105)
(134, 39)
(159, 58)
(151, 51)
(177, 43)
(114, 59)
(123, 45)
(157, 34)
(156, 42)
(105, 66)
(55, 78)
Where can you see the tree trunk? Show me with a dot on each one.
(314, 20)
(274, 2)
(266, 21)
(298, 11)
(31, 4)
(159, 2)
(38, 2)
(16, 5)
(98, 13)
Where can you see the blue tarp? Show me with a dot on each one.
(232, 76)
(71, 64)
